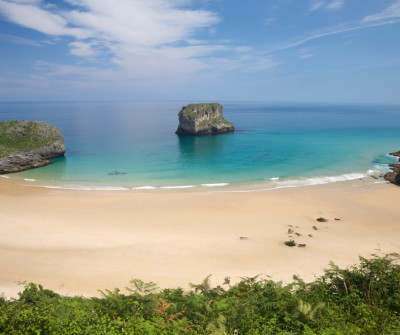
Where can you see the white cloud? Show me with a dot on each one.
(305, 53)
(83, 49)
(30, 15)
(390, 12)
(326, 5)
(326, 33)
(140, 39)
(316, 5)
(335, 5)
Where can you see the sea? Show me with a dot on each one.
(132, 146)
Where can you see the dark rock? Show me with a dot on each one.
(301, 245)
(290, 243)
(298, 234)
(202, 119)
(290, 231)
(115, 173)
(26, 144)
(394, 175)
(310, 235)
(322, 220)
(244, 238)
(314, 227)
(337, 219)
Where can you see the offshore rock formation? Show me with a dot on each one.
(394, 176)
(26, 144)
(200, 119)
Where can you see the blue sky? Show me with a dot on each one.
(200, 50)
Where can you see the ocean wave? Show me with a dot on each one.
(299, 182)
(87, 188)
(5, 177)
(321, 180)
(215, 185)
(28, 179)
(144, 188)
(274, 178)
(182, 186)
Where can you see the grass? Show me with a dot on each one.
(18, 136)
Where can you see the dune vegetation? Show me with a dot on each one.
(361, 299)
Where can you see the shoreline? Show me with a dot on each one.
(267, 184)
(76, 242)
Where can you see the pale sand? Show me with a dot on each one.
(76, 242)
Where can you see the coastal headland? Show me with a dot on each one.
(26, 145)
(76, 242)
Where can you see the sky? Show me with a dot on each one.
(343, 51)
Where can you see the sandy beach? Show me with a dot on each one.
(76, 242)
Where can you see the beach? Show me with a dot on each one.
(76, 242)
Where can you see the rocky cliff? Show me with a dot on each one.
(206, 118)
(394, 176)
(25, 145)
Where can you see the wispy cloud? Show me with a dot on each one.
(335, 5)
(19, 40)
(326, 5)
(333, 31)
(141, 39)
(305, 53)
(390, 12)
(29, 14)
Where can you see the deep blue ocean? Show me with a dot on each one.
(133, 145)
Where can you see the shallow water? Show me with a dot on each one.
(132, 145)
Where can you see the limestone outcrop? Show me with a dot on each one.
(394, 175)
(201, 119)
(26, 144)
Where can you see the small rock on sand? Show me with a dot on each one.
(290, 243)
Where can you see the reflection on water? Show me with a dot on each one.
(193, 148)
(55, 171)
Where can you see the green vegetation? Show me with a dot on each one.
(25, 135)
(190, 112)
(215, 123)
(362, 299)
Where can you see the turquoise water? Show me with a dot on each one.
(132, 145)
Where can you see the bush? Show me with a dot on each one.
(362, 299)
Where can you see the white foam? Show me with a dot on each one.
(290, 183)
(274, 178)
(144, 188)
(215, 185)
(4, 176)
(27, 179)
(182, 186)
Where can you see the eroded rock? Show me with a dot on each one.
(202, 119)
(26, 144)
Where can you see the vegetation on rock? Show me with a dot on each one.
(203, 118)
(362, 299)
(27, 144)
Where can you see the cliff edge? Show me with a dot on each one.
(394, 176)
(26, 144)
(200, 119)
